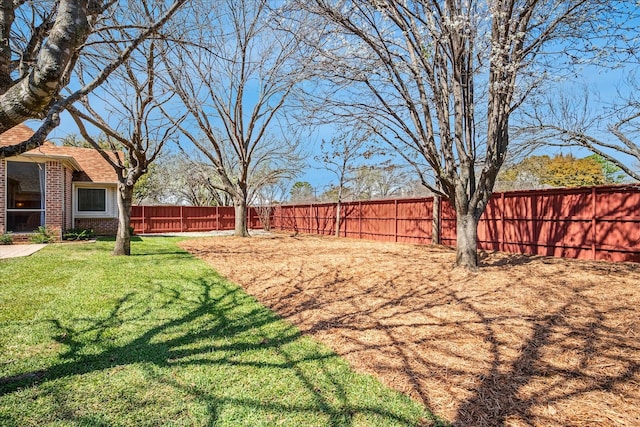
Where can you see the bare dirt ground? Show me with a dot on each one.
(527, 341)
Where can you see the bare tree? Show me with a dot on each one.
(612, 132)
(339, 155)
(235, 88)
(181, 178)
(42, 43)
(269, 196)
(134, 128)
(380, 181)
(421, 74)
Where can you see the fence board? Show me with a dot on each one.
(601, 223)
(168, 219)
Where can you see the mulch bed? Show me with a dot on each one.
(526, 341)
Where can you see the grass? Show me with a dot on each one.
(158, 338)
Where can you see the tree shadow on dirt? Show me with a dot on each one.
(506, 259)
(504, 351)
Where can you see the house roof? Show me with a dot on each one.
(87, 161)
(15, 135)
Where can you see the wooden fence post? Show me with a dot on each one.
(359, 220)
(143, 222)
(502, 224)
(436, 224)
(217, 217)
(395, 227)
(594, 223)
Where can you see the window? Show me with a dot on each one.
(92, 200)
(25, 196)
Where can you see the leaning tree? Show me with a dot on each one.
(439, 79)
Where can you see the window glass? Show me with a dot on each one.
(92, 200)
(25, 196)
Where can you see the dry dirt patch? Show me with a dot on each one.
(526, 341)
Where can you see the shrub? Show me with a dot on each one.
(6, 239)
(43, 235)
(79, 234)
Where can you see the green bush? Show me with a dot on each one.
(6, 239)
(43, 235)
(79, 234)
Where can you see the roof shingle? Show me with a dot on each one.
(94, 167)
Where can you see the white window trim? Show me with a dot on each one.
(110, 205)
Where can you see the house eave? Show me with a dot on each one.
(68, 161)
(94, 183)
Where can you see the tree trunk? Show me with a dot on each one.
(123, 237)
(466, 241)
(32, 95)
(241, 229)
(435, 226)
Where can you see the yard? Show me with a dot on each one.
(159, 338)
(527, 341)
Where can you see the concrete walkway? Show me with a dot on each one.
(14, 251)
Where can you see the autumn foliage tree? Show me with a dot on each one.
(611, 130)
(557, 171)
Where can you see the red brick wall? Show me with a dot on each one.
(101, 226)
(54, 197)
(68, 199)
(3, 185)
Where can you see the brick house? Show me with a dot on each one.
(57, 187)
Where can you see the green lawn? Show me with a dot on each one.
(159, 338)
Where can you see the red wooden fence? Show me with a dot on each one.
(171, 219)
(600, 223)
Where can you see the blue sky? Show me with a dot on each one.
(600, 81)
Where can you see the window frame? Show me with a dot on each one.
(110, 201)
(92, 189)
(9, 211)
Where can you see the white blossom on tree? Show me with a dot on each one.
(439, 80)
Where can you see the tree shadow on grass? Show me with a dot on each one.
(219, 329)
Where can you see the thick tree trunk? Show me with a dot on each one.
(466, 241)
(123, 237)
(241, 229)
(435, 226)
(32, 95)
